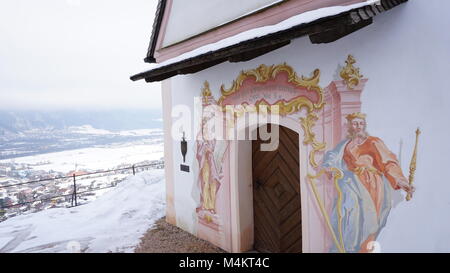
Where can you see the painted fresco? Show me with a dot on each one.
(366, 173)
(276, 85)
(212, 155)
(351, 176)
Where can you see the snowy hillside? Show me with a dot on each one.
(104, 157)
(112, 223)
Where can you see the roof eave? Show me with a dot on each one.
(323, 30)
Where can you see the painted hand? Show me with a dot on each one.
(404, 184)
(329, 174)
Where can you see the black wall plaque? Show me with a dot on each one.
(184, 168)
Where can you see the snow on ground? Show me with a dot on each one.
(89, 130)
(141, 132)
(112, 223)
(98, 158)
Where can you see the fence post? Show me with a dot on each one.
(134, 171)
(75, 190)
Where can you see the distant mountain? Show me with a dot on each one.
(112, 120)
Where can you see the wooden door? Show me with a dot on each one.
(276, 195)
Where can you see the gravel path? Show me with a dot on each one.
(166, 238)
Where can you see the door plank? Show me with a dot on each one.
(276, 194)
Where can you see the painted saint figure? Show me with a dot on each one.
(210, 153)
(370, 173)
(209, 175)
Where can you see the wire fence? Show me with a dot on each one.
(76, 177)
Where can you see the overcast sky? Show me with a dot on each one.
(64, 54)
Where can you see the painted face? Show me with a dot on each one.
(358, 125)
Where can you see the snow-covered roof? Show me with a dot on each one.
(304, 19)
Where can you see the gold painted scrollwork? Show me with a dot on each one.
(264, 73)
(310, 137)
(350, 74)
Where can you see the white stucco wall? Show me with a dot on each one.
(405, 55)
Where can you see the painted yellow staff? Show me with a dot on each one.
(412, 165)
(337, 174)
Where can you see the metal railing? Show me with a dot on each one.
(74, 195)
